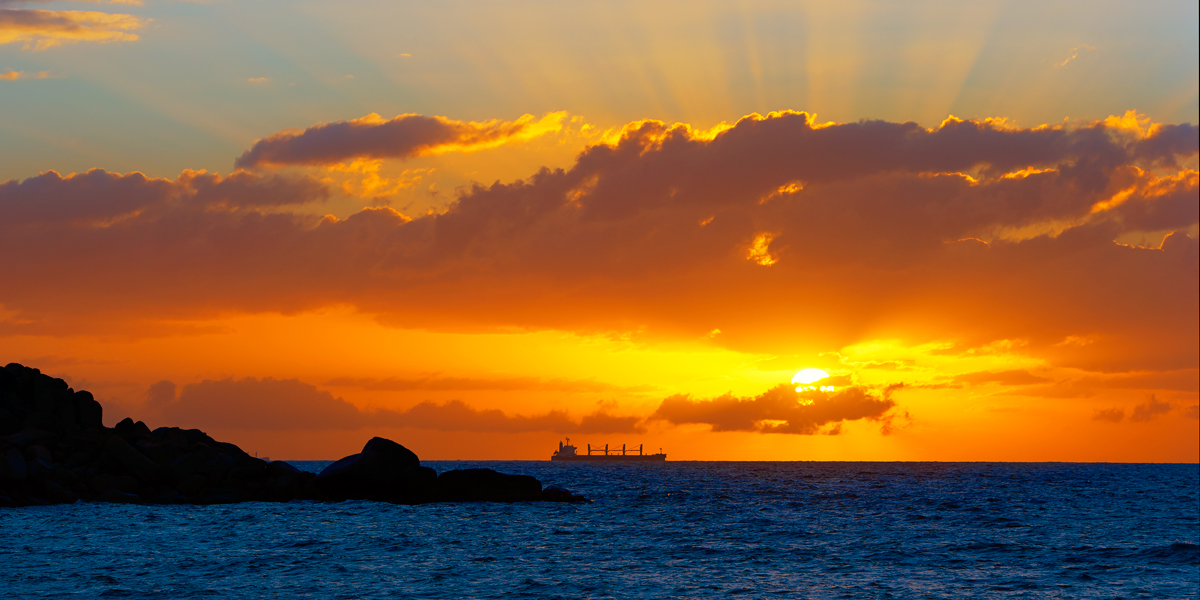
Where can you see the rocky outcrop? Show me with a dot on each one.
(55, 449)
(475, 485)
(384, 470)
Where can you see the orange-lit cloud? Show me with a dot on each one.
(374, 137)
(1012, 377)
(42, 29)
(971, 233)
(781, 409)
(15, 75)
(444, 383)
(291, 405)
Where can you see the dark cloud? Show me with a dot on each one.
(457, 416)
(1149, 410)
(373, 137)
(261, 404)
(774, 230)
(780, 409)
(1111, 415)
(292, 405)
(99, 199)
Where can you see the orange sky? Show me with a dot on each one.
(645, 256)
(977, 291)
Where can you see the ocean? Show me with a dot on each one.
(666, 530)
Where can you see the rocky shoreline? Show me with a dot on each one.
(55, 449)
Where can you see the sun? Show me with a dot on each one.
(805, 377)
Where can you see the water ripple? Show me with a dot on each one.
(680, 530)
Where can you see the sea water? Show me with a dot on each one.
(668, 530)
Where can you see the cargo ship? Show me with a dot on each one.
(567, 452)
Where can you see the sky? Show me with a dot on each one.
(479, 229)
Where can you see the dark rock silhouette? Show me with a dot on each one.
(473, 485)
(384, 470)
(54, 449)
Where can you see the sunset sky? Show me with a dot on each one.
(479, 228)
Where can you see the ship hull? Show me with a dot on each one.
(611, 458)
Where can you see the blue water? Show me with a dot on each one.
(673, 530)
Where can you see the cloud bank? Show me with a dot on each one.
(772, 230)
(405, 136)
(780, 409)
(291, 405)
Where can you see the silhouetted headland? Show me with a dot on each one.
(54, 449)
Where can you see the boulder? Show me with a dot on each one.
(91, 414)
(279, 468)
(395, 452)
(119, 497)
(384, 470)
(12, 465)
(133, 461)
(555, 493)
(486, 485)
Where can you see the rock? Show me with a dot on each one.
(57, 494)
(384, 470)
(278, 468)
(91, 414)
(486, 485)
(193, 463)
(168, 497)
(193, 485)
(249, 470)
(162, 453)
(133, 432)
(103, 482)
(26, 438)
(39, 451)
(395, 452)
(12, 465)
(118, 497)
(555, 493)
(137, 464)
(54, 448)
(220, 496)
(37, 469)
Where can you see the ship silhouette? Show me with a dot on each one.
(567, 452)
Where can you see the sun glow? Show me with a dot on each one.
(804, 377)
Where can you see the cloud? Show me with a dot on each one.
(970, 232)
(1074, 53)
(457, 416)
(42, 29)
(99, 199)
(259, 404)
(291, 405)
(1012, 377)
(15, 75)
(1111, 415)
(442, 384)
(780, 409)
(404, 136)
(1180, 380)
(1149, 410)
